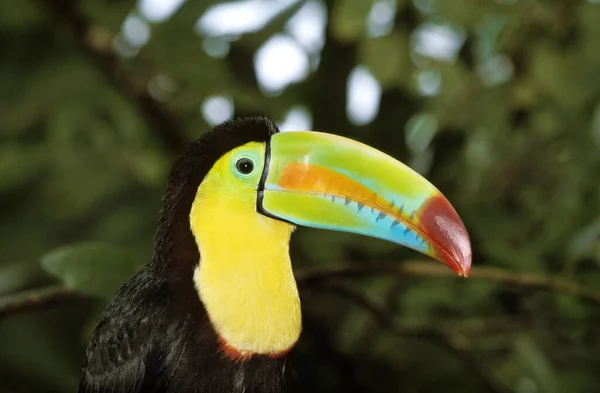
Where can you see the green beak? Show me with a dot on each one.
(326, 181)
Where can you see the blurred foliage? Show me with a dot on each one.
(508, 128)
(90, 268)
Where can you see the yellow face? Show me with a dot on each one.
(244, 277)
(236, 175)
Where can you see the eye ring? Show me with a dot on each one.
(244, 166)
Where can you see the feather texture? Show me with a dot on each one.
(155, 335)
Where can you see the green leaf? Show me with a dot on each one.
(91, 268)
(420, 130)
(349, 19)
(535, 364)
(584, 240)
(20, 165)
(387, 57)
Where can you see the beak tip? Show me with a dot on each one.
(463, 252)
(451, 238)
(462, 267)
(459, 250)
(465, 268)
(467, 271)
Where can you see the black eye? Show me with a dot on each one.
(244, 166)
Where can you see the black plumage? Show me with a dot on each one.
(155, 335)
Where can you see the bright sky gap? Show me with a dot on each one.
(290, 57)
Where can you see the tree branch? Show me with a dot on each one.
(528, 281)
(97, 44)
(40, 298)
(385, 318)
(36, 299)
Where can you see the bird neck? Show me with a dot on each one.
(245, 278)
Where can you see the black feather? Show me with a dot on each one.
(154, 335)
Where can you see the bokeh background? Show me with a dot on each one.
(496, 102)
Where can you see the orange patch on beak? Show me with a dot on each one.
(436, 221)
(306, 178)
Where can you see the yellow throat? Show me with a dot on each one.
(244, 277)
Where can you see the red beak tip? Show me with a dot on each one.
(461, 269)
(466, 272)
(463, 265)
(452, 243)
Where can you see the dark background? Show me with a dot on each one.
(496, 102)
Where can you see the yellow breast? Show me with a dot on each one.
(244, 277)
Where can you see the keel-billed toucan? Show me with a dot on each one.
(217, 309)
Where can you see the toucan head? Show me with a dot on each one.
(326, 181)
(243, 187)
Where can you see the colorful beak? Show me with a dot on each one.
(326, 181)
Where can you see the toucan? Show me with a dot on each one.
(217, 309)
